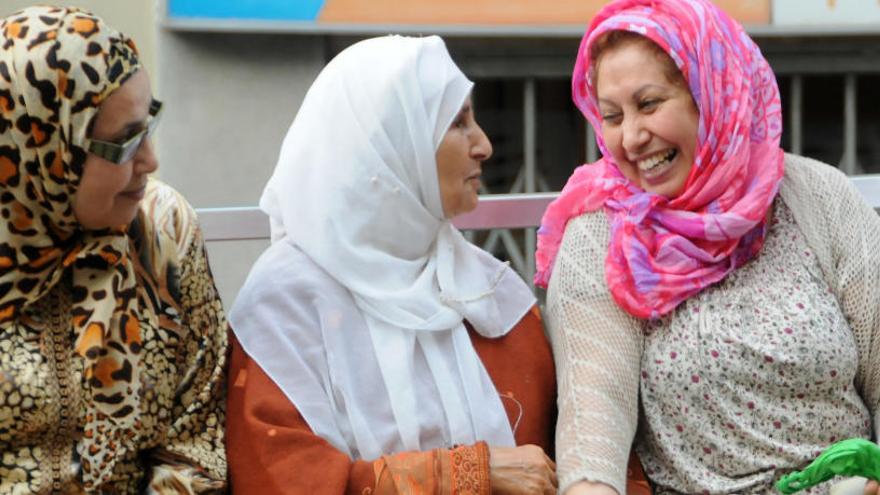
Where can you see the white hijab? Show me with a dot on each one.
(356, 190)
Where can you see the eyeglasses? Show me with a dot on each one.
(120, 153)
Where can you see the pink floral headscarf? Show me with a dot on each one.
(663, 251)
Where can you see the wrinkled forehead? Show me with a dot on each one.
(624, 29)
(698, 36)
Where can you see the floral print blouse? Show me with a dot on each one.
(752, 378)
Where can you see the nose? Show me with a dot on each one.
(145, 161)
(635, 135)
(482, 148)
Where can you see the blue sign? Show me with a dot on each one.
(285, 10)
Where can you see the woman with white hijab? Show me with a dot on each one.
(377, 350)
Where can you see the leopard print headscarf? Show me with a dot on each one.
(57, 65)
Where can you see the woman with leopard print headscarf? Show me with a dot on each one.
(112, 335)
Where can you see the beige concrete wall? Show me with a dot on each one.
(230, 99)
(135, 18)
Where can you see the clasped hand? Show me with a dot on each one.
(521, 470)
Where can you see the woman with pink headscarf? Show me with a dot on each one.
(703, 286)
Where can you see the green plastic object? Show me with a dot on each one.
(853, 457)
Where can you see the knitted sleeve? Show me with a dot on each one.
(844, 231)
(598, 350)
(855, 233)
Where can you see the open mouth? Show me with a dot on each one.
(656, 162)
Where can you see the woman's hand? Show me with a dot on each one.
(590, 488)
(521, 470)
(872, 488)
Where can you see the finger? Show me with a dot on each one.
(554, 480)
(871, 487)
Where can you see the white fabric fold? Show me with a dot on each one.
(383, 281)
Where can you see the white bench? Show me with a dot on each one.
(495, 211)
(237, 236)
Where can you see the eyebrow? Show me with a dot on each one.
(128, 130)
(646, 87)
(637, 94)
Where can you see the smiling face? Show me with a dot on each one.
(109, 194)
(649, 119)
(463, 148)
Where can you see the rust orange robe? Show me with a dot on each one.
(272, 450)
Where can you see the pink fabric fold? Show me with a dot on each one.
(664, 250)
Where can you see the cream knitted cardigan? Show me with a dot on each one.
(598, 346)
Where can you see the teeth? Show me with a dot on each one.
(652, 162)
